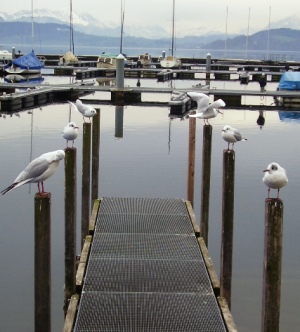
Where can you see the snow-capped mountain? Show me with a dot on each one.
(85, 23)
(88, 24)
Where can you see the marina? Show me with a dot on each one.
(142, 110)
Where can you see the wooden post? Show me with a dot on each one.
(272, 265)
(70, 224)
(205, 190)
(227, 224)
(42, 263)
(86, 174)
(95, 154)
(191, 160)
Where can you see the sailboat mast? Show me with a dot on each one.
(71, 28)
(122, 26)
(32, 36)
(173, 20)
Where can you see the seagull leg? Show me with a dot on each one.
(268, 192)
(38, 184)
(278, 194)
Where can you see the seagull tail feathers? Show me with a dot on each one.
(9, 188)
(14, 186)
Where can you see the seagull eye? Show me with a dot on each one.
(274, 168)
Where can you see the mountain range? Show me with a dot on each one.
(52, 28)
(88, 24)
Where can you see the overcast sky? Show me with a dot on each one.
(190, 14)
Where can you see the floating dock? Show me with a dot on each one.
(144, 267)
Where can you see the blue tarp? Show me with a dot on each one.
(28, 61)
(289, 81)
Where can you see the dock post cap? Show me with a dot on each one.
(120, 56)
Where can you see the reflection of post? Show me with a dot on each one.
(95, 154)
(227, 224)
(70, 224)
(205, 191)
(86, 173)
(119, 116)
(272, 265)
(191, 160)
(42, 263)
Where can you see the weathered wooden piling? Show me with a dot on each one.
(119, 117)
(191, 160)
(272, 265)
(227, 224)
(86, 175)
(205, 189)
(208, 65)
(70, 224)
(95, 154)
(42, 263)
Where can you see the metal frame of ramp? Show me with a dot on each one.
(146, 271)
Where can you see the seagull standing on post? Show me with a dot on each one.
(39, 170)
(205, 110)
(86, 110)
(70, 132)
(232, 135)
(275, 177)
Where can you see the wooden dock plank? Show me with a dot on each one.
(83, 263)
(71, 314)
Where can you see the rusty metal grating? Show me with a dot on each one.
(146, 271)
(143, 312)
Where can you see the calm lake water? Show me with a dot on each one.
(151, 160)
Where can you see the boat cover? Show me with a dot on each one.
(289, 81)
(28, 61)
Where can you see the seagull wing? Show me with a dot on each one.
(75, 107)
(80, 106)
(236, 134)
(36, 168)
(196, 115)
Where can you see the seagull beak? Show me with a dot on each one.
(266, 170)
(220, 112)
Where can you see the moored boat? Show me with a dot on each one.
(25, 64)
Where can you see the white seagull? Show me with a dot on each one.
(275, 177)
(86, 110)
(70, 132)
(232, 135)
(39, 170)
(205, 110)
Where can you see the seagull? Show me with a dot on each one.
(86, 110)
(275, 177)
(205, 110)
(232, 135)
(39, 170)
(70, 132)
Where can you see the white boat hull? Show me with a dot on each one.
(170, 62)
(23, 71)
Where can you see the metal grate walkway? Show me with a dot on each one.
(146, 272)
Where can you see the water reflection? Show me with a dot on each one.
(142, 164)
